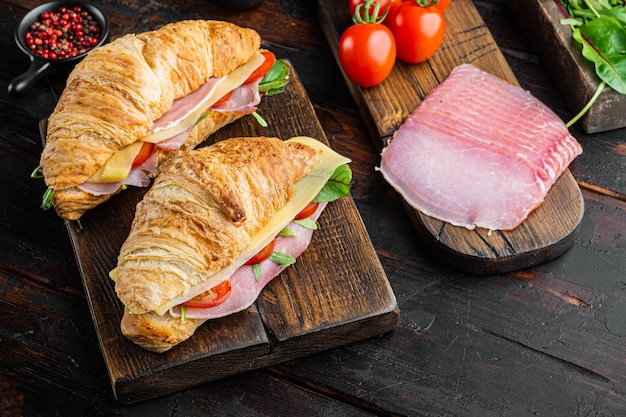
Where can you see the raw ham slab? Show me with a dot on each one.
(478, 152)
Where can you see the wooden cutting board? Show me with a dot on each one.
(337, 292)
(547, 233)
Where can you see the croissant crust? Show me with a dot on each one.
(113, 96)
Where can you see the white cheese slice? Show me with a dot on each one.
(305, 190)
(226, 84)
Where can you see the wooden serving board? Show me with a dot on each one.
(547, 233)
(336, 293)
(574, 75)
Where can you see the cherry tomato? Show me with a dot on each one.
(307, 211)
(393, 8)
(352, 5)
(442, 5)
(418, 30)
(262, 255)
(224, 99)
(367, 53)
(264, 68)
(144, 153)
(211, 298)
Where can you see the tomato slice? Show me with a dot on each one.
(144, 153)
(270, 58)
(224, 99)
(262, 255)
(211, 298)
(307, 211)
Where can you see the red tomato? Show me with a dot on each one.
(264, 68)
(418, 30)
(352, 5)
(367, 53)
(393, 8)
(442, 5)
(144, 153)
(224, 99)
(211, 298)
(262, 255)
(307, 211)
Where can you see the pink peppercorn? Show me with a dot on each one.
(64, 33)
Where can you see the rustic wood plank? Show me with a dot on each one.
(542, 341)
(574, 76)
(324, 294)
(547, 233)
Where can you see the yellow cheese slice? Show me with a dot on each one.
(117, 166)
(228, 83)
(305, 190)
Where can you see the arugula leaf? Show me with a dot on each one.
(307, 223)
(287, 232)
(275, 79)
(37, 173)
(282, 259)
(337, 186)
(256, 270)
(46, 201)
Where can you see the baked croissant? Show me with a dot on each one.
(114, 96)
(194, 249)
(199, 216)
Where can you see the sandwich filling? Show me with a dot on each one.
(237, 92)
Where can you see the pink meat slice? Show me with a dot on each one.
(478, 152)
(245, 289)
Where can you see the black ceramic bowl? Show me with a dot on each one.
(40, 66)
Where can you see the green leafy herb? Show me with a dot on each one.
(37, 173)
(256, 270)
(260, 119)
(201, 118)
(287, 232)
(600, 27)
(337, 186)
(275, 79)
(46, 201)
(282, 259)
(604, 43)
(307, 223)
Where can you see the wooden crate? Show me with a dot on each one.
(574, 75)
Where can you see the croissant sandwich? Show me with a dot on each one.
(217, 225)
(136, 102)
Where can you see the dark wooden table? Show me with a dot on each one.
(549, 340)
